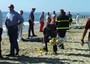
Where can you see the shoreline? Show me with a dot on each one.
(25, 27)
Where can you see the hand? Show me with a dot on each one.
(82, 42)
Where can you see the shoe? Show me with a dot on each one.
(0, 56)
(44, 49)
(34, 35)
(10, 55)
(46, 53)
(29, 36)
(41, 31)
(61, 46)
(17, 52)
(55, 53)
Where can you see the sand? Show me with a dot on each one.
(73, 53)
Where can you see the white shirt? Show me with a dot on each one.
(0, 19)
(77, 18)
(53, 17)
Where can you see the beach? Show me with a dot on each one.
(73, 53)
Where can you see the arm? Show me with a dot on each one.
(6, 24)
(6, 20)
(21, 20)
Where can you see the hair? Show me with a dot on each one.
(21, 11)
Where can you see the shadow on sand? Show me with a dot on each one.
(30, 60)
(79, 54)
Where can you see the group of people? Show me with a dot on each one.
(49, 19)
(57, 25)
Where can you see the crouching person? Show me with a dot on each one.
(50, 31)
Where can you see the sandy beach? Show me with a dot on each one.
(73, 53)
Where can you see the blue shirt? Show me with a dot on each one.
(31, 16)
(13, 18)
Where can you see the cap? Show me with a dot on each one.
(11, 6)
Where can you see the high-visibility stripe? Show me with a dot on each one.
(62, 21)
(63, 28)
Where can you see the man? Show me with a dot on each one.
(0, 31)
(48, 18)
(20, 27)
(62, 25)
(31, 23)
(70, 17)
(77, 20)
(13, 19)
(87, 26)
(50, 31)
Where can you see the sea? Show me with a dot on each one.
(37, 16)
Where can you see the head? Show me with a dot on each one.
(48, 26)
(11, 7)
(68, 12)
(42, 12)
(54, 12)
(77, 13)
(48, 13)
(33, 9)
(62, 12)
(21, 12)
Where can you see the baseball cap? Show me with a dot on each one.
(11, 6)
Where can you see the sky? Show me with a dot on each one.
(47, 5)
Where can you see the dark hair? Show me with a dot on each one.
(33, 8)
(21, 11)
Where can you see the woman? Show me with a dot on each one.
(41, 22)
(20, 28)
